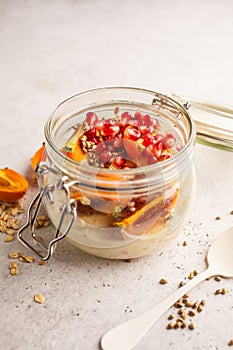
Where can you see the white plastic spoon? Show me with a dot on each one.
(128, 334)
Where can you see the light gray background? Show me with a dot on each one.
(50, 50)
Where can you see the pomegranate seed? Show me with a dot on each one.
(125, 118)
(134, 123)
(90, 134)
(132, 133)
(110, 122)
(157, 149)
(148, 140)
(119, 162)
(144, 129)
(165, 156)
(169, 140)
(91, 117)
(158, 137)
(138, 116)
(146, 119)
(99, 123)
(110, 130)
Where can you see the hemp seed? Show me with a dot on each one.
(217, 278)
(38, 298)
(192, 326)
(163, 281)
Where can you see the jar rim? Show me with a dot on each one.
(166, 163)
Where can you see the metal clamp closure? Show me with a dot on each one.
(69, 209)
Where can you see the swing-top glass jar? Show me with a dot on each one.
(119, 178)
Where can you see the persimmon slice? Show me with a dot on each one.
(72, 148)
(13, 186)
(38, 157)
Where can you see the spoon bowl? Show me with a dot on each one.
(220, 255)
(128, 334)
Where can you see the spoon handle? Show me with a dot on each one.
(128, 334)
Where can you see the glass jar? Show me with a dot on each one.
(84, 202)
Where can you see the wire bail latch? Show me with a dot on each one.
(69, 209)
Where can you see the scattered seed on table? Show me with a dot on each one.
(203, 302)
(26, 259)
(195, 272)
(181, 284)
(224, 291)
(38, 298)
(9, 238)
(13, 266)
(10, 231)
(163, 281)
(170, 325)
(184, 243)
(218, 291)
(217, 278)
(195, 305)
(192, 313)
(192, 326)
(231, 212)
(171, 317)
(14, 254)
(230, 342)
(200, 308)
(190, 276)
(218, 218)
(186, 295)
(178, 304)
(188, 304)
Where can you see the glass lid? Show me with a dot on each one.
(214, 122)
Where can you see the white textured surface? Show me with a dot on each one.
(51, 50)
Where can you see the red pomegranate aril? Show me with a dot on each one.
(110, 122)
(90, 134)
(99, 123)
(169, 140)
(125, 118)
(165, 156)
(91, 117)
(148, 140)
(119, 162)
(132, 133)
(138, 116)
(110, 130)
(144, 129)
(146, 119)
(158, 137)
(157, 149)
